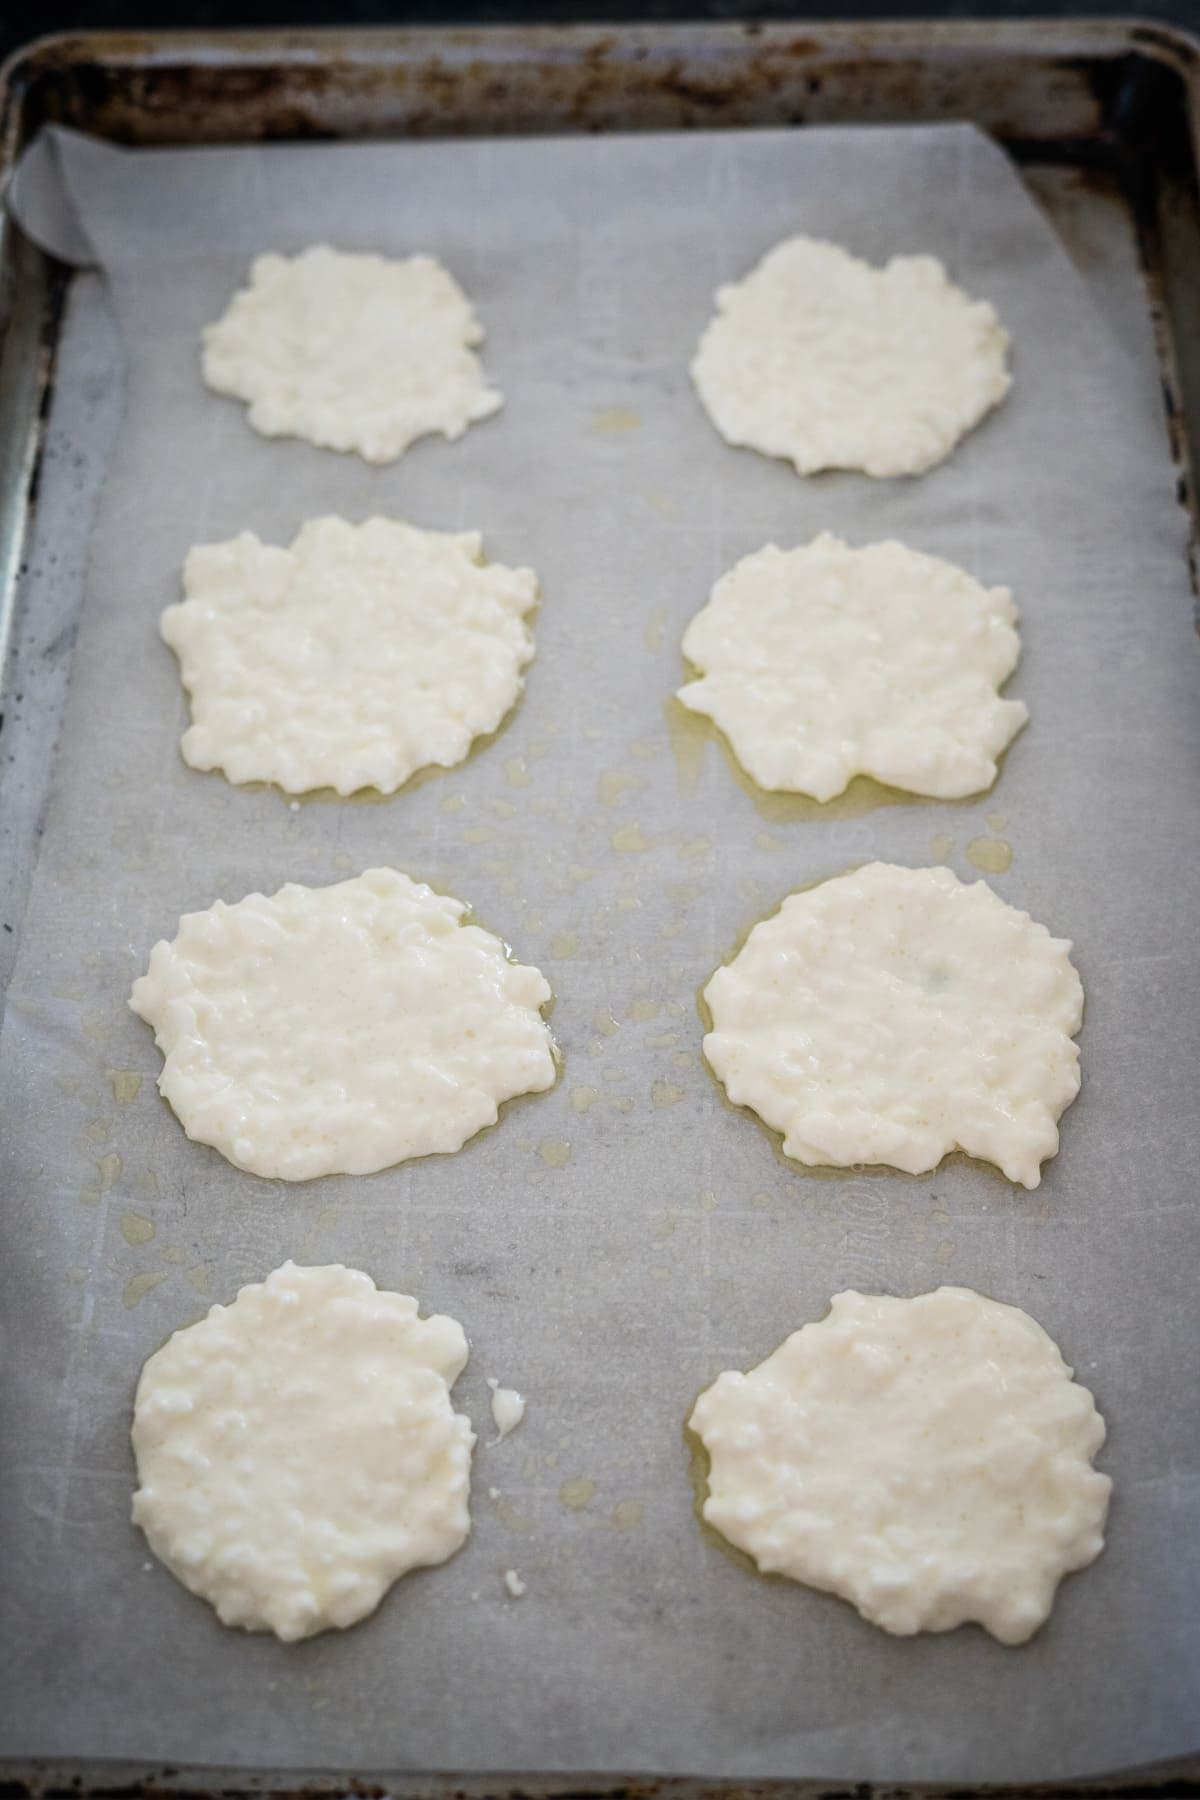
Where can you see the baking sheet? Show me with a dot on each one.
(671, 1242)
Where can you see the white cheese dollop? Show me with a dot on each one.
(929, 1460)
(338, 1030)
(297, 1451)
(824, 662)
(892, 1015)
(820, 358)
(352, 352)
(355, 657)
(508, 1409)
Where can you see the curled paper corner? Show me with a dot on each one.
(39, 194)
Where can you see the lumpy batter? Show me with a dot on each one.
(892, 1015)
(338, 1030)
(351, 659)
(824, 662)
(352, 352)
(297, 1451)
(929, 1460)
(817, 357)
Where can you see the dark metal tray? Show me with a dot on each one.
(1103, 117)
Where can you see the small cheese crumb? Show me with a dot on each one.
(508, 1409)
(514, 1584)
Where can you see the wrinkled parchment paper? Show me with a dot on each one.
(613, 1245)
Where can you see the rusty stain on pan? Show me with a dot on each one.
(1176, 1780)
(1024, 83)
(238, 86)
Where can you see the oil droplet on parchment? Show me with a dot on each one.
(136, 1228)
(614, 421)
(992, 855)
(665, 1093)
(630, 840)
(615, 782)
(688, 740)
(508, 1514)
(126, 1084)
(655, 631)
(627, 1514)
(555, 1151)
(516, 772)
(941, 847)
(578, 1493)
(110, 1171)
(583, 1097)
(605, 1023)
(566, 944)
(138, 1286)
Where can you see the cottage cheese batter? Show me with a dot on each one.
(338, 1030)
(352, 352)
(929, 1460)
(823, 663)
(350, 660)
(820, 358)
(297, 1451)
(892, 1015)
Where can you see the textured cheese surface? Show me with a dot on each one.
(338, 1030)
(351, 659)
(297, 1451)
(892, 1015)
(821, 359)
(929, 1460)
(352, 352)
(824, 662)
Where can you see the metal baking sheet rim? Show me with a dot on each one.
(123, 1781)
(34, 341)
(489, 74)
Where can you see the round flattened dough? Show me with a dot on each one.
(892, 1015)
(297, 1451)
(929, 1460)
(824, 662)
(352, 659)
(339, 1030)
(352, 352)
(832, 364)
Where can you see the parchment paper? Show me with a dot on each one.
(673, 1242)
